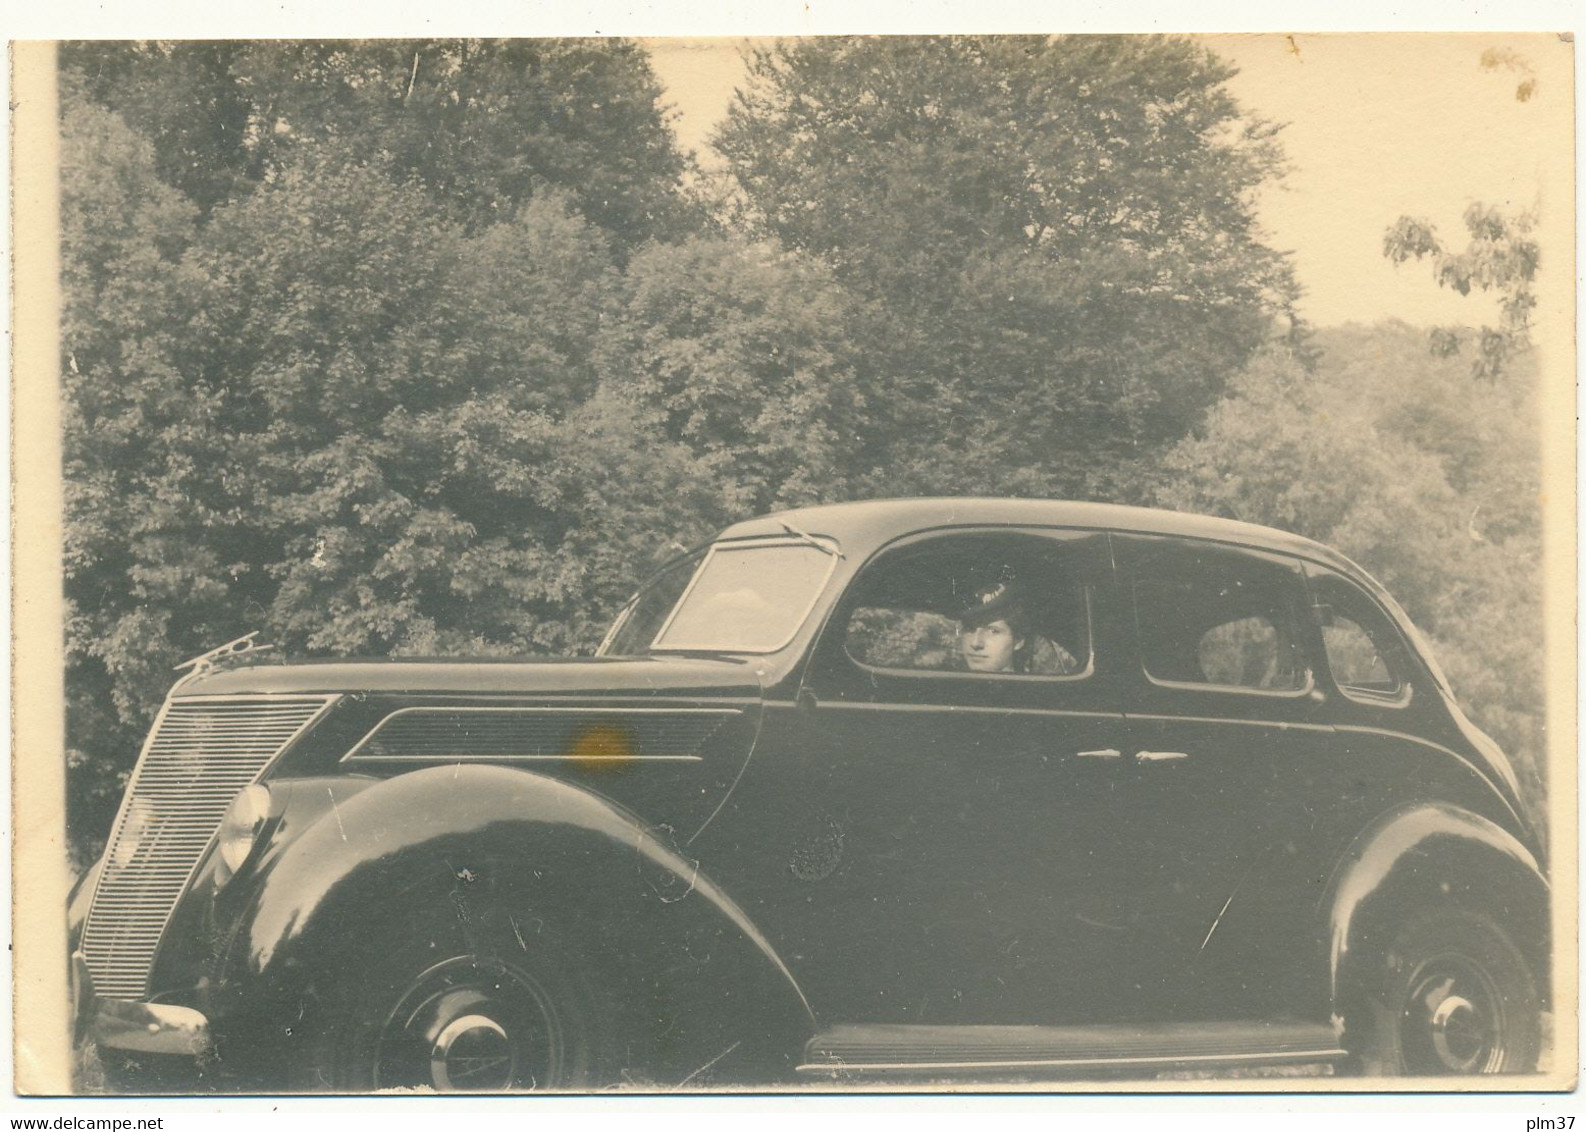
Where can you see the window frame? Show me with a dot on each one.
(1297, 600)
(1087, 592)
(1402, 664)
(832, 645)
(824, 545)
(620, 621)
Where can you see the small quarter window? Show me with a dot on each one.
(1365, 655)
(641, 619)
(1353, 657)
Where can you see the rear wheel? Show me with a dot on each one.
(1457, 997)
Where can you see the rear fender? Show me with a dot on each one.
(511, 857)
(1419, 859)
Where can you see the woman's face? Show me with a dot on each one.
(989, 647)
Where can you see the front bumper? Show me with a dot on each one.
(141, 1027)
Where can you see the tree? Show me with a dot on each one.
(183, 99)
(1502, 256)
(332, 318)
(486, 124)
(122, 232)
(743, 351)
(363, 430)
(1052, 240)
(482, 125)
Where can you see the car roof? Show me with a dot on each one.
(874, 522)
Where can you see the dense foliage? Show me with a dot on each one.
(432, 347)
(325, 400)
(483, 125)
(1054, 240)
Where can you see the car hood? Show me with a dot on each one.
(617, 676)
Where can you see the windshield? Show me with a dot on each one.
(749, 597)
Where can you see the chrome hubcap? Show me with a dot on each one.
(1453, 1021)
(1458, 1033)
(470, 1025)
(472, 1053)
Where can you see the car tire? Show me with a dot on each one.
(1452, 995)
(436, 1013)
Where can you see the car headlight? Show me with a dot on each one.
(239, 830)
(140, 814)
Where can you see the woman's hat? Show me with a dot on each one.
(995, 602)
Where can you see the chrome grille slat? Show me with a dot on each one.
(198, 756)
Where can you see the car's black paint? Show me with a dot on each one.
(858, 846)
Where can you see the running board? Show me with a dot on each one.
(881, 1049)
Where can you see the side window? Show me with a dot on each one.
(1365, 654)
(1250, 652)
(989, 605)
(1354, 658)
(884, 637)
(1219, 618)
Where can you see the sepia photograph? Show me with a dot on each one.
(902, 563)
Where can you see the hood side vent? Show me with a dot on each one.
(581, 734)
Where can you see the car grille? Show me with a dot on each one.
(198, 756)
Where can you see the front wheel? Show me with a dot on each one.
(1456, 997)
(479, 1024)
(481, 1019)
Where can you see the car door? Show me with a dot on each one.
(949, 834)
(1391, 746)
(1223, 714)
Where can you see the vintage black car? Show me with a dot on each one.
(1211, 806)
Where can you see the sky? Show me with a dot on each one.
(1377, 126)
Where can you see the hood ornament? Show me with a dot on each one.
(217, 657)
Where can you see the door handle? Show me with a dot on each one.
(1105, 753)
(1160, 756)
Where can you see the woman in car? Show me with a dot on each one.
(995, 635)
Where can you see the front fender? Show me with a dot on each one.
(1421, 857)
(479, 843)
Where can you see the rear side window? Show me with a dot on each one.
(1250, 652)
(1365, 655)
(1219, 618)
